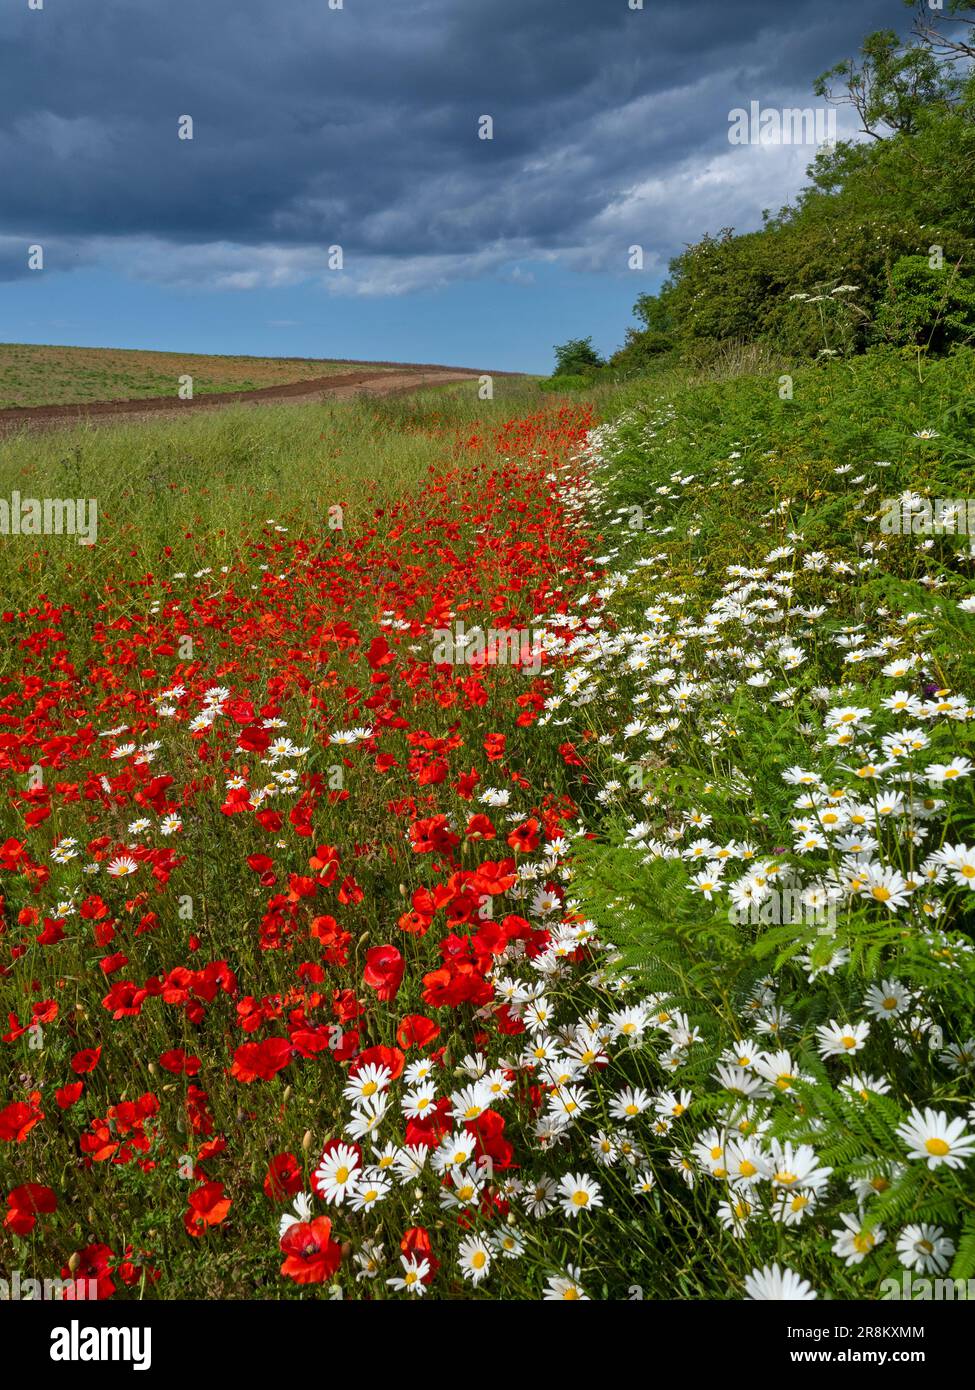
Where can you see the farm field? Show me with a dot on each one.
(39, 375)
(400, 801)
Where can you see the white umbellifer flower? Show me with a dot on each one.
(770, 1283)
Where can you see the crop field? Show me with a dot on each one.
(38, 375)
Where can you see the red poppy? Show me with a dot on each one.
(389, 1057)
(416, 1030)
(95, 1267)
(17, 1120)
(384, 971)
(311, 1255)
(25, 1203)
(416, 1243)
(86, 1060)
(208, 1207)
(283, 1178)
(261, 1061)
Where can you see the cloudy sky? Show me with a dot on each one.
(358, 127)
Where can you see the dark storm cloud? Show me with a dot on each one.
(358, 126)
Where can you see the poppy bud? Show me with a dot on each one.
(402, 890)
(153, 1069)
(74, 1262)
(287, 1094)
(307, 1141)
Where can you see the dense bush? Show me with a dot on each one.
(926, 307)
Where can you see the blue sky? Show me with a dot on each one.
(358, 127)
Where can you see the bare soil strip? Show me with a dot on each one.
(413, 377)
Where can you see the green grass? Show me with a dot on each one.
(205, 484)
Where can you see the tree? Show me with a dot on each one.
(653, 311)
(890, 85)
(576, 357)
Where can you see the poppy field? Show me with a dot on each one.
(459, 849)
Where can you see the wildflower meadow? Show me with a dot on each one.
(629, 959)
(467, 835)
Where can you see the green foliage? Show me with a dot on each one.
(566, 381)
(576, 356)
(705, 479)
(870, 215)
(926, 307)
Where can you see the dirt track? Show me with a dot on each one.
(411, 377)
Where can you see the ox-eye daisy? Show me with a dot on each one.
(578, 1192)
(770, 1283)
(935, 1139)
